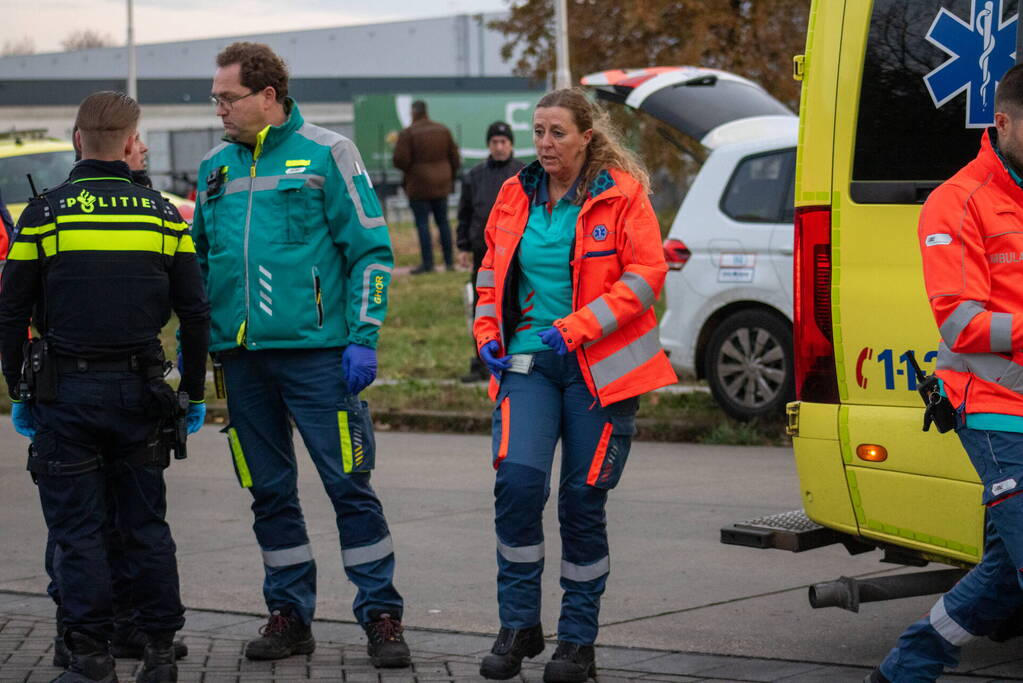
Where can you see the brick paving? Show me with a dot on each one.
(216, 642)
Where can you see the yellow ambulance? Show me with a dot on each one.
(895, 96)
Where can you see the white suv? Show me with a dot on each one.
(729, 286)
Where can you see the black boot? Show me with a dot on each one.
(283, 635)
(511, 646)
(158, 664)
(571, 663)
(387, 647)
(130, 643)
(61, 655)
(90, 661)
(875, 676)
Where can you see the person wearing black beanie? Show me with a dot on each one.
(479, 190)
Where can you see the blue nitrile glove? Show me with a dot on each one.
(195, 417)
(359, 363)
(552, 338)
(488, 355)
(21, 416)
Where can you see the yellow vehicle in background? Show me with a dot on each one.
(48, 161)
(896, 94)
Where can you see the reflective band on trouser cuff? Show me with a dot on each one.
(958, 320)
(641, 288)
(244, 476)
(521, 554)
(484, 310)
(585, 572)
(989, 367)
(485, 278)
(946, 626)
(1001, 332)
(605, 317)
(353, 557)
(626, 359)
(288, 556)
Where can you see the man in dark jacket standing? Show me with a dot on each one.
(429, 157)
(479, 191)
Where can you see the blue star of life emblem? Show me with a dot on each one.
(979, 53)
(600, 233)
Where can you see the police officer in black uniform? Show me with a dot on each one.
(97, 265)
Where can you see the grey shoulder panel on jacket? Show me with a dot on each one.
(349, 162)
(214, 151)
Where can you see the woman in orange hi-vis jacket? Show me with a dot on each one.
(566, 325)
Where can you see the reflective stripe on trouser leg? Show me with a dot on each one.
(263, 433)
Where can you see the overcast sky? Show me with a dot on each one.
(47, 22)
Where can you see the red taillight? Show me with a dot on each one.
(676, 253)
(816, 379)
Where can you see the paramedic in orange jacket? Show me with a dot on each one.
(971, 240)
(565, 323)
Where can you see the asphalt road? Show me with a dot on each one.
(672, 586)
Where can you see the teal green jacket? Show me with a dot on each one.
(292, 241)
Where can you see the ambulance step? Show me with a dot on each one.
(792, 531)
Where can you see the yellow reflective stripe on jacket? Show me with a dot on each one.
(36, 229)
(115, 240)
(113, 218)
(23, 251)
(186, 245)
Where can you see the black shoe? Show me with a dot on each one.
(511, 646)
(89, 661)
(61, 655)
(571, 663)
(875, 676)
(131, 644)
(158, 664)
(387, 647)
(281, 636)
(419, 270)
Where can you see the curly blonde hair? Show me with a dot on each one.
(606, 149)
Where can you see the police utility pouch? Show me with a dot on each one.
(38, 373)
(938, 409)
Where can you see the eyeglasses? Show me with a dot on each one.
(228, 101)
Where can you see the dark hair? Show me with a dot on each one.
(1009, 95)
(418, 109)
(105, 120)
(605, 149)
(260, 67)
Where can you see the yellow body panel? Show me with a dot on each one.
(925, 496)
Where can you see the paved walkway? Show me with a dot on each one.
(216, 642)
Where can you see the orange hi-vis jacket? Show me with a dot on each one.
(618, 271)
(971, 239)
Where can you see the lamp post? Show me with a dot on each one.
(562, 74)
(132, 80)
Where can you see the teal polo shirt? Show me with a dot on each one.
(545, 278)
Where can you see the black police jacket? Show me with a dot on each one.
(98, 264)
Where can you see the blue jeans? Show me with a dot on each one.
(993, 589)
(103, 413)
(421, 210)
(265, 391)
(534, 411)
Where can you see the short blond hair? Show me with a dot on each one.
(105, 120)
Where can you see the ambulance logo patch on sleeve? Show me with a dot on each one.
(600, 233)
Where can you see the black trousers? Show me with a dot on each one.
(106, 414)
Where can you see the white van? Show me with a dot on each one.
(729, 288)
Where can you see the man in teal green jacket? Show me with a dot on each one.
(297, 262)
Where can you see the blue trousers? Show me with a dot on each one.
(104, 413)
(421, 210)
(993, 589)
(265, 391)
(534, 411)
